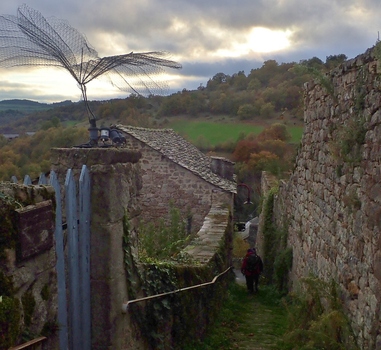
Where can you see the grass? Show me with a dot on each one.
(296, 133)
(220, 132)
(214, 132)
(247, 321)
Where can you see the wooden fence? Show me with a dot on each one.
(74, 314)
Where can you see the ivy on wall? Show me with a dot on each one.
(163, 240)
(347, 139)
(16, 315)
(277, 256)
(171, 321)
(10, 321)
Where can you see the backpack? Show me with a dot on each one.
(252, 263)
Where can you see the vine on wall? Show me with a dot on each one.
(277, 256)
(348, 139)
(171, 321)
(16, 315)
(316, 318)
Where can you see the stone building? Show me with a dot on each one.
(174, 171)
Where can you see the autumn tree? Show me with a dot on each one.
(275, 131)
(269, 150)
(262, 160)
(30, 155)
(246, 111)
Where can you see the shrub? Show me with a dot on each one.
(240, 246)
(163, 240)
(316, 319)
(282, 266)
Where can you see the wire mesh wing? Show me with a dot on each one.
(31, 39)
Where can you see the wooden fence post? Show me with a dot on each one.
(60, 266)
(84, 257)
(73, 263)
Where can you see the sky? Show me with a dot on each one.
(205, 36)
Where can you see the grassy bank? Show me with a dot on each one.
(311, 320)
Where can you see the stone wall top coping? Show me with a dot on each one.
(208, 239)
(97, 155)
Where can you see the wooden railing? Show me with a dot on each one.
(30, 345)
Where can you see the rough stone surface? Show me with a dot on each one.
(32, 267)
(213, 231)
(331, 202)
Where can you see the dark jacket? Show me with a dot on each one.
(251, 273)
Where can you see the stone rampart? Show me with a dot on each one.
(332, 200)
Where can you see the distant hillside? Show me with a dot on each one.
(25, 115)
(29, 106)
(11, 111)
(265, 95)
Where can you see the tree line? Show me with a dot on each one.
(270, 90)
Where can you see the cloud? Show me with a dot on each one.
(214, 36)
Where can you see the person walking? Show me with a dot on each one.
(252, 267)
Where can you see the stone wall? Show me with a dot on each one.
(166, 182)
(332, 200)
(27, 262)
(197, 284)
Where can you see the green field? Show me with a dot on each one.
(217, 133)
(296, 133)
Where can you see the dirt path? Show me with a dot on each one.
(260, 321)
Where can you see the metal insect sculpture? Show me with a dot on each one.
(29, 39)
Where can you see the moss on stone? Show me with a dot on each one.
(45, 292)
(50, 328)
(29, 304)
(8, 231)
(9, 321)
(6, 285)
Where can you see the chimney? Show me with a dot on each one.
(223, 167)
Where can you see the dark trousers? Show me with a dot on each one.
(251, 282)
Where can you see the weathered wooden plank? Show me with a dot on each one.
(42, 179)
(27, 180)
(60, 266)
(73, 263)
(28, 344)
(35, 225)
(84, 255)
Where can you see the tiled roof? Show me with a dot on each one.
(180, 151)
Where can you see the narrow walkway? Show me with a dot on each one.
(260, 319)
